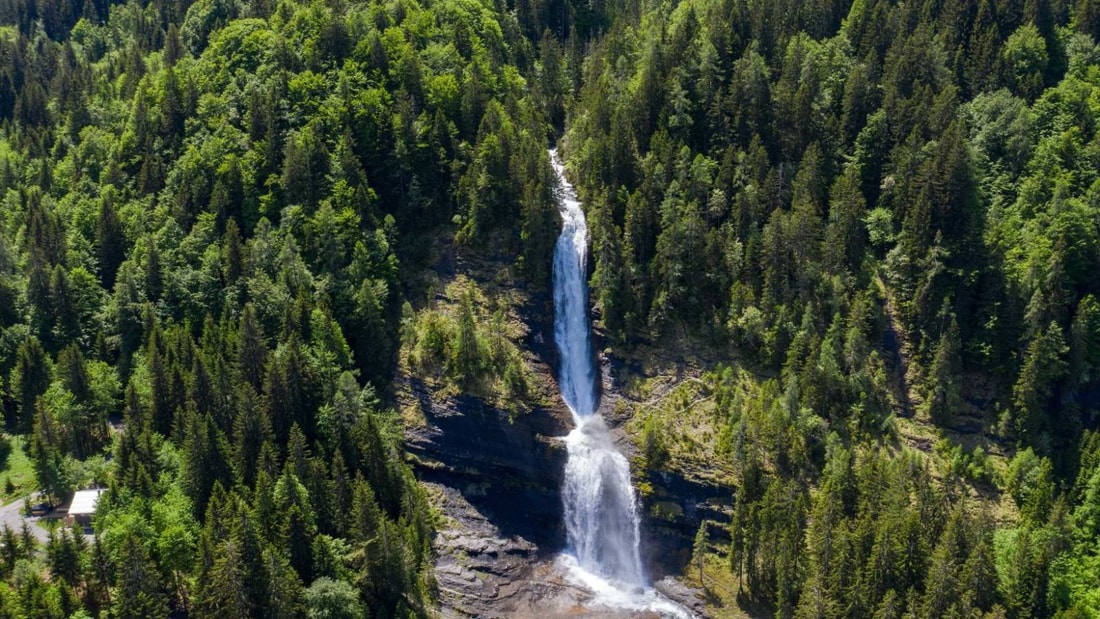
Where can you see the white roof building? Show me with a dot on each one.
(84, 502)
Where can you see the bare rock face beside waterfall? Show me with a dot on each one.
(493, 467)
(496, 483)
(507, 467)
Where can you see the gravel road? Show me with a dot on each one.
(12, 515)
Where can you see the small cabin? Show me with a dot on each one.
(83, 506)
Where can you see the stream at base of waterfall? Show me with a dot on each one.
(601, 511)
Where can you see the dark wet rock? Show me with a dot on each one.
(683, 595)
(673, 512)
(508, 467)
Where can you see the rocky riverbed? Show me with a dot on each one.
(482, 573)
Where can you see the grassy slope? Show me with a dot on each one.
(17, 469)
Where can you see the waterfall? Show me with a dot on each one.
(601, 518)
(577, 378)
(601, 513)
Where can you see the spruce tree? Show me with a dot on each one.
(30, 378)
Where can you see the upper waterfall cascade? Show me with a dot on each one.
(571, 329)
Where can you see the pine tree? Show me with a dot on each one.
(163, 407)
(979, 572)
(204, 461)
(944, 397)
(234, 258)
(1043, 368)
(251, 350)
(139, 589)
(154, 281)
(172, 112)
(538, 228)
(229, 596)
(66, 319)
(699, 550)
(173, 46)
(825, 542)
(305, 163)
(65, 555)
(101, 573)
(285, 391)
(982, 68)
(297, 524)
(110, 244)
(10, 552)
(370, 330)
(942, 578)
(30, 378)
(284, 591)
(72, 371)
(845, 238)
(467, 359)
(609, 280)
(341, 494)
(131, 325)
(227, 197)
(47, 455)
(251, 430)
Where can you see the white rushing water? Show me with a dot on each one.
(601, 515)
(577, 378)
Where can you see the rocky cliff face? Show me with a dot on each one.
(497, 480)
(674, 510)
(496, 475)
(497, 483)
(509, 468)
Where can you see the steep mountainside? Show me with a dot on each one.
(277, 275)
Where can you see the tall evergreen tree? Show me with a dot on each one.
(30, 378)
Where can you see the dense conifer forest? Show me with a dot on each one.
(877, 222)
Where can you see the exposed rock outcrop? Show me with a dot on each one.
(509, 468)
(496, 477)
(673, 512)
